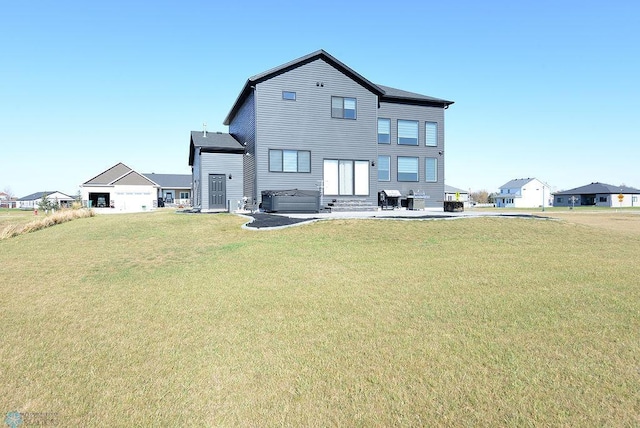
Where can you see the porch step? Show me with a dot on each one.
(350, 205)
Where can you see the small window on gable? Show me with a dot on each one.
(288, 95)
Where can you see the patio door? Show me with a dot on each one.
(346, 177)
(217, 191)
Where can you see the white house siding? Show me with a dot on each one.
(306, 124)
(629, 200)
(533, 194)
(55, 197)
(221, 163)
(422, 114)
(125, 198)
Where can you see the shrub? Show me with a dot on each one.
(58, 217)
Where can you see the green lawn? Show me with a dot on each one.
(14, 216)
(163, 319)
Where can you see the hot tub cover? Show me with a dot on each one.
(291, 192)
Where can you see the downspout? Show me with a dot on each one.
(256, 205)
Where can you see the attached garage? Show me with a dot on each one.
(120, 189)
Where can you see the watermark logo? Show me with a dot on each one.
(13, 419)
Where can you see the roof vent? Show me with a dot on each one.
(204, 129)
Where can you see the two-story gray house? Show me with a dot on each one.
(315, 124)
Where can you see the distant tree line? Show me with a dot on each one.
(481, 197)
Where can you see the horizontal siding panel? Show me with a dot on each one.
(227, 164)
(306, 124)
(423, 114)
(243, 128)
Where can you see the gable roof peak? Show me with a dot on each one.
(321, 54)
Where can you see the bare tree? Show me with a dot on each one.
(480, 196)
(9, 192)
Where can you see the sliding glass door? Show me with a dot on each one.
(345, 177)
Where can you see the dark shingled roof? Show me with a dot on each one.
(516, 184)
(213, 142)
(39, 195)
(111, 174)
(601, 188)
(119, 174)
(451, 189)
(393, 94)
(171, 181)
(385, 93)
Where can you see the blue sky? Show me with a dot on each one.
(544, 89)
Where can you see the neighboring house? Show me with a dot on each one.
(32, 201)
(597, 194)
(524, 193)
(6, 201)
(454, 194)
(120, 189)
(315, 124)
(175, 189)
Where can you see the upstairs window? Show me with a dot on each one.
(384, 131)
(288, 95)
(431, 129)
(343, 108)
(408, 132)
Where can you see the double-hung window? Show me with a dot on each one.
(384, 131)
(431, 132)
(384, 168)
(343, 108)
(408, 132)
(407, 168)
(289, 161)
(431, 170)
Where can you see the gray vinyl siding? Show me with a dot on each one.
(222, 163)
(243, 128)
(423, 114)
(196, 184)
(306, 124)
